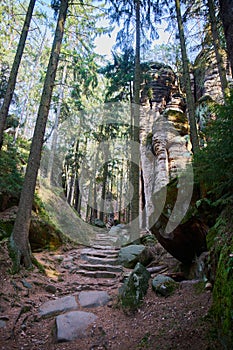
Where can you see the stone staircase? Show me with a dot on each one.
(100, 261)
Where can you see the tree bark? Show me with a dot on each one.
(14, 71)
(56, 124)
(226, 12)
(187, 82)
(19, 237)
(216, 42)
(135, 153)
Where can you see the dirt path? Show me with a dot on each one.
(177, 322)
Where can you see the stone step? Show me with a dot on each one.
(99, 253)
(108, 247)
(97, 274)
(101, 261)
(104, 243)
(108, 268)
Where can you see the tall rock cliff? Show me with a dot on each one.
(165, 147)
(165, 163)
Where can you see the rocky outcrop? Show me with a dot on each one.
(186, 241)
(166, 156)
(206, 76)
(42, 233)
(165, 146)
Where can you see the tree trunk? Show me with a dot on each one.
(187, 82)
(26, 103)
(103, 194)
(14, 71)
(135, 154)
(19, 237)
(58, 114)
(216, 42)
(226, 12)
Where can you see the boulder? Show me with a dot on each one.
(163, 285)
(135, 288)
(115, 230)
(73, 325)
(99, 223)
(131, 254)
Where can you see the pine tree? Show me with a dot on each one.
(14, 71)
(19, 238)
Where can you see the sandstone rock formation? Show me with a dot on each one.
(165, 156)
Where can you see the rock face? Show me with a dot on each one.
(166, 156)
(188, 240)
(165, 146)
(42, 234)
(206, 77)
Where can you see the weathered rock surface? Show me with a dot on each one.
(53, 307)
(163, 285)
(42, 235)
(164, 141)
(73, 325)
(130, 255)
(135, 288)
(93, 298)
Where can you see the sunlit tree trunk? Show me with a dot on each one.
(14, 71)
(135, 154)
(103, 192)
(187, 82)
(56, 124)
(216, 42)
(24, 113)
(226, 12)
(19, 238)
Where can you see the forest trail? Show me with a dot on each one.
(177, 322)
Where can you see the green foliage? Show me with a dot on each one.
(10, 173)
(214, 163)
(120, 75)
(220, 243)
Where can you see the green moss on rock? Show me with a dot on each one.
(134, 289)
(223, 297)
(220, 241)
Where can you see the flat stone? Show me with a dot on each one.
(53, 307)
(93, 298)
(26, 284)
(73, 325)
(2, 324)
